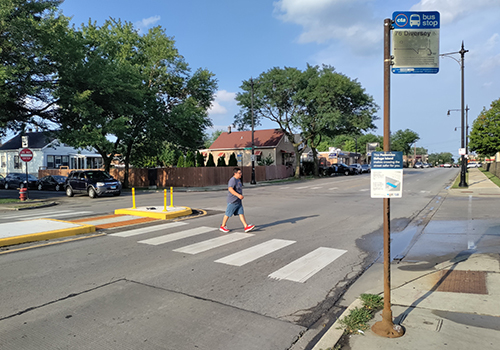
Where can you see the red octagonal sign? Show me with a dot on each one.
(26, 155)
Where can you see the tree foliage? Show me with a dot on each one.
(402, 140)
(221, 161)
(307, 106)
(440, 158)
(210, 161)
(232, 160)
(200, 161)
(485, 134)
(29, 33)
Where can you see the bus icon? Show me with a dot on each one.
(414, 20)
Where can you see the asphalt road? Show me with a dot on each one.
(118, 292)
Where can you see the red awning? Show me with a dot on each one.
(283, 151)
(204, 154)
(221, 154)
(258, 153)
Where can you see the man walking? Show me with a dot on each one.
(234, 205)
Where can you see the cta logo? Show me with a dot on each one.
(401, 20)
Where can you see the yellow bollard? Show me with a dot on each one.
(171, 197)
(165, 200)
(133, 198)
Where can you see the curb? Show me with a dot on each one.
(333, 334)
(29, 208)
(183, 211)
(42, 236)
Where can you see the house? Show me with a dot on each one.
(333, 156)
(48, 153)
(270, 142)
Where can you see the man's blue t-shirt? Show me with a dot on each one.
(237, 186)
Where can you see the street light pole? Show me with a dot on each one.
(462, 53)
(252, 182)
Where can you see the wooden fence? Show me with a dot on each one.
(186, 177)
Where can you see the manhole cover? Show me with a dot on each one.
(473, 282)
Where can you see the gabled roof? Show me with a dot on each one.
(35, 140)
(241, 139)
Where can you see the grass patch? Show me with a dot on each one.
(358, 318)
(491, 176)
(8, 200)
(457, 180)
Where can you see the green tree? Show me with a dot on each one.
(125, 89)
(485, 134)
(402, 140)
(210, 161)
(332, 104)
(421, 150)
(274, 98)
(267, 161)
(29, 32)
(190, 160)
(441, 158)
(221, 161)
(200, 161)
(232, 160)
(181, 162)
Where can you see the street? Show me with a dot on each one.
(143, 291)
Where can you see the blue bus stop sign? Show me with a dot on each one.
(415, 42)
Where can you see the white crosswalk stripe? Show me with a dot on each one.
(301, 188)
(74, 213)
(333, 188)
(31, 214)
(213, 243)
(148, 229)
(255, 252)
(302, 269)
(178, 235)
(316, 188)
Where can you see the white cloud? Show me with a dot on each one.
(222, 96)
(146, 23)
(452, 10)
(350, 21)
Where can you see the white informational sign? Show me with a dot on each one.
(415, 42)
(462, 152)
(387, 175)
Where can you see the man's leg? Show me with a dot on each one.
(242, 218)
(224, 220)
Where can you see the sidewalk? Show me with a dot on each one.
(445, 292)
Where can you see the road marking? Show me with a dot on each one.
(284, 188)
(315, 188)
(255, 252)
(23, 215)
(178, 235)
(333, 188)
(364, 190)
(302, 269)
(213, 243)
(148, 229)
(301, 188)
(60, 215)
(113, 219)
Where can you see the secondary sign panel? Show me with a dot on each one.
(387, 175)
(415, 42)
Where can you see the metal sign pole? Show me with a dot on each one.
(386, 327)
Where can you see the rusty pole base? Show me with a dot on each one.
(388, 329)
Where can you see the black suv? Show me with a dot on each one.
(338, 168)
(15, 180)
(92, 182)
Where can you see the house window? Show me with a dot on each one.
(4, 162)
(16, 163)
(50, 162)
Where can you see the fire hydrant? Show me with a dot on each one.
(23, 194)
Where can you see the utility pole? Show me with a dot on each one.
(252, 182)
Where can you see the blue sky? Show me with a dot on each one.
(237, 40)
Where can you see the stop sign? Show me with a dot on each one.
(26, 155)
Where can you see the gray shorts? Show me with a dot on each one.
(235, 208)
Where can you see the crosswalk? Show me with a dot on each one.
(46, 214)
(299, 270)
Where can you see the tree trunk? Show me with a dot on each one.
(126, 160)
(315, 161)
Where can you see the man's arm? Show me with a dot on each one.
(234, 193)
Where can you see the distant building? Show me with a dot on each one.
(48, 153)
(271, 142)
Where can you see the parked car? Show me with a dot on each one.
(426, 165)
(418, 165)
(473, 165)
(357, 168)
(92, 182)
(366, 168)
(51, 182)
(19, 180)
(339, 168)
(447, 165)
(2, 181)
